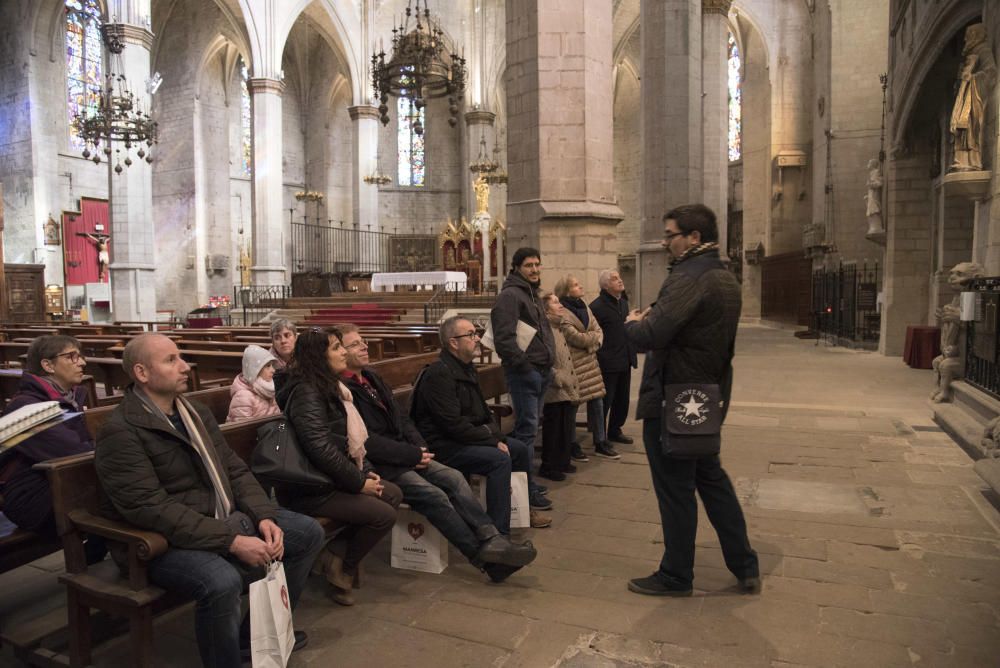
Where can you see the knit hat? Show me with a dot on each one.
(254, 359)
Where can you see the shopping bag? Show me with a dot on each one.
(416, 544)
(520, 511)
(271, 634)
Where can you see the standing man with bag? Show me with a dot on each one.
(163, 465)
(689, 336)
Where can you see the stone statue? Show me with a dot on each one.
(482, 195)
(975, 81)
(245, 263)
(873, 199)
(949, 364)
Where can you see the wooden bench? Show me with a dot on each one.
(216, 399)
(110, 372)
(19, 547)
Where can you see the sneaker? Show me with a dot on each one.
(538, 501)
(749, 585)
(539, 521)
(569, 469)
(622, 438)
(549, 474)
(541, 489)
(578, 455)
(655, 586)
(499, 572)
(605, 450)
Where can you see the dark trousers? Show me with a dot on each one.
(496, 466)
(675, 482)
(558, 429)
(216, 585)
(617, 385)
(366, 518)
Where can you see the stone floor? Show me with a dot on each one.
(879, 547)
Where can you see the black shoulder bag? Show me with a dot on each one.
(278, 461)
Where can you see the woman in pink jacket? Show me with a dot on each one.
(252, 391)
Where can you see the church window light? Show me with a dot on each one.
(245, 121)
(84, 61)
(735, 71)
(410, 143)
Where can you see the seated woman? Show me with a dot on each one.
(53, 372)
(332, 435)
(252, 391)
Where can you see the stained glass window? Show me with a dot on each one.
(245, 121)
(410, 145)
(84, 61)
(735, 100)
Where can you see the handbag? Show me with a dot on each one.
(272, 636)
(692, 415)
(278, 460)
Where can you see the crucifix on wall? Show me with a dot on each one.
(102, 243)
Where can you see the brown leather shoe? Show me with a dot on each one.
(337, 576)
(540, 521)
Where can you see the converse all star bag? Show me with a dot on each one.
(692, 416)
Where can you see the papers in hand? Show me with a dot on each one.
(525, 333)
(26, 417)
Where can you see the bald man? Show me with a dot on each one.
(164, 466)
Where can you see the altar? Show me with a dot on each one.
(455, 280)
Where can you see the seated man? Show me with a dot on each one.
(451, 414)
(164, 466)
(440, 493)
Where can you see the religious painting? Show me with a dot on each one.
(414, 252)
(449, 255)
(52, 232)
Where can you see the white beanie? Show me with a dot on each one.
(254, 359)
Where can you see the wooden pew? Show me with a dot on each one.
(11, 351)
(99, 347)
(111, 373)
(29, 332)
(200, 334)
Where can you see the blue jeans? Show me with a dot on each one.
(441, 494)
(527, 395)
(216, 584)
(595, 419)
(496, 467)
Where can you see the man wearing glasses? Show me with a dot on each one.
(451, 414)
(432, 489)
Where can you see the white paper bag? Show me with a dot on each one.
(520, 511)
(416, 544)
(272, 637)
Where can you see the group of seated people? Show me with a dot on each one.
(164, 465)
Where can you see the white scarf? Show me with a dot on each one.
(357, 433)
(264, 388)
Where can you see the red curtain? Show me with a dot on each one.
(80, 252)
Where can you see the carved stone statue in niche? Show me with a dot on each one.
(949, 364)
(873, 199)
(975, 81)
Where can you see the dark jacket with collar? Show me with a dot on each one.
(690, 332)
(153, 477)
(616, 354)
(449, 409)
(320, 424)
(519, 301)
(394, 443)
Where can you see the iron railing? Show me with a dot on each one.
(845, 303)
(256, 301)
(329, 249)
(448, 296)
(983, 337)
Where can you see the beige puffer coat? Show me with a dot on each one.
(564, 386)
(583, 344)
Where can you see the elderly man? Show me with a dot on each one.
(283, 335)
(164, 465)
(616, 355)
(689, 335)
(439, 492)
(452, 416)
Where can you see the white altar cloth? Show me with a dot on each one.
(386, 281)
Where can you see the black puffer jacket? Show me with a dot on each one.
(690, 333)
(449, 409)
(519, 301)
(320, 425)
(394, 442)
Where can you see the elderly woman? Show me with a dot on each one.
(252, 391)
(283, 335)
(53, 372)
(332, 435)
(561, 400)
(584, 337)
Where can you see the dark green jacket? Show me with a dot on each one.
(153, 478)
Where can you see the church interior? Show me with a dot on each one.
(216, 164)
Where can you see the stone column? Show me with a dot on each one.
(133, 242)
(364, 153)
(268, 214)
(559, 143)
(715, 109)
(671, 127)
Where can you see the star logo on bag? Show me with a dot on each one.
(415, 529)
(691, 407)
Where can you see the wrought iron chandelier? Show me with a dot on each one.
(498, 177)
(420, 67)
(483, 164)
(119, 120)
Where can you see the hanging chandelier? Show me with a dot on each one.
(482, 164)
(419, 68)
(498, 176)
(119, 121)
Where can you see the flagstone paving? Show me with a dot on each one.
(879, 546)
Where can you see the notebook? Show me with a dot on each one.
(26, 417)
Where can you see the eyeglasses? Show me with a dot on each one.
(667, 236)
(360, 343)
(468, 334)
(73, 356)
